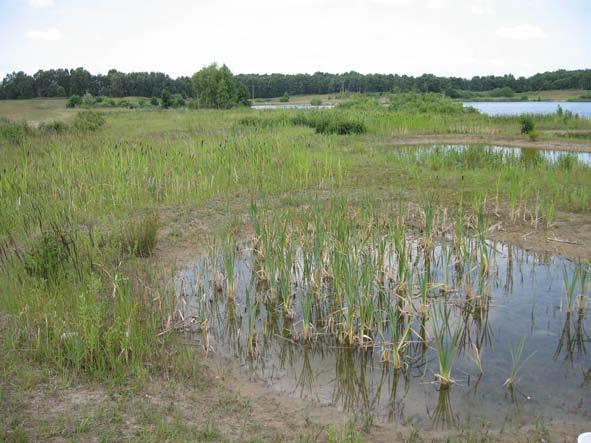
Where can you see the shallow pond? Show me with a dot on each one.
(583, 109)
(522, 297)
(501, 153)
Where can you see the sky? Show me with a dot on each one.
(444, 37)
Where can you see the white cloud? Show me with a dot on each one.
(41, 3)
(393, 2)
(521, 32)
(437, 4)
(49, 35)
(482, 7)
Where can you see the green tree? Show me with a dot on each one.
(166, 99)
(215, 87)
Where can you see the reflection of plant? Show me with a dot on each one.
(443, 415)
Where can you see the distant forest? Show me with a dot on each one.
(66, 82)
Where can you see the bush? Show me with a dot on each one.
(73, 101)
(285, 98)
(89, 121)
(316, 102)
(154, 101)
(54, 127)
(88, 100)
(193, 104)
(501, 92)
(166, 99)
(178, 101)
(14, 132)
(527, 124)
(48, 255)
(325, 123)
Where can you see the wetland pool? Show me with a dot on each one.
(521, 298)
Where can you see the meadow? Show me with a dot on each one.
(100, 210)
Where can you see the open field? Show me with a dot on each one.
(550, 95)
(556, 95)
(155, 267)
(36, 110)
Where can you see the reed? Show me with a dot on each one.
(517, 363)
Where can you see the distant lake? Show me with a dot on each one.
(516, 108)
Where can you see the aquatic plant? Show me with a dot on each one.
(229, 258)
(517, 363)
(446, 344)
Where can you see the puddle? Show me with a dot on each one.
(501, 154)
(521, 298)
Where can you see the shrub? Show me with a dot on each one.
(527, 124)
(124, 103)
(285, 97)
(73, 101)
(316, 102)
(166, 99)
(54, 127)
(47, 256)
(139, 238)
(501, 92)
(14, 132)
(178, 101)
(89, 121)
(325, 123)
(193, 104)
(88, 100)
(154, 101)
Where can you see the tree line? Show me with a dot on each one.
(275, 85)
(67, 82)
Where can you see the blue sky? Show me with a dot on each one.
(444, 37)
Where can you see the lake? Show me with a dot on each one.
(516, 108)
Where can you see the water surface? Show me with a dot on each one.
(522, 298)
(583, 109)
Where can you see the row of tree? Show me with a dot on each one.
(64, 82)
(275, 85)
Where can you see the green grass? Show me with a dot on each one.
(81, 210)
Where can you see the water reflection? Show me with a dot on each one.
(392, 376)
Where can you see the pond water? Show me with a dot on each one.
(522, 298)
(504, 153)
(583, 109)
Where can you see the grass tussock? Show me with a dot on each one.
(139, 236)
